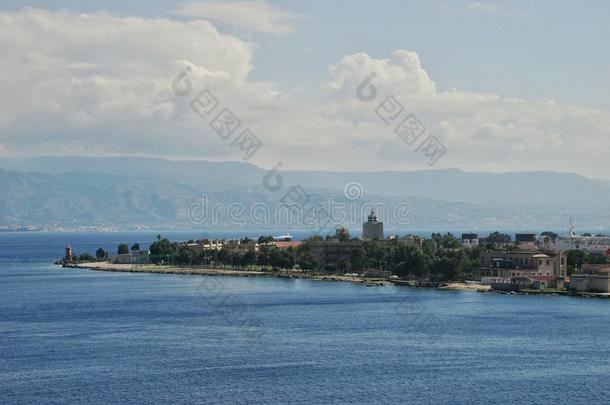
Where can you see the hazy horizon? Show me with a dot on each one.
(193, 160)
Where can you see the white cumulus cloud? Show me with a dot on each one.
(77, 76)
(100, 84)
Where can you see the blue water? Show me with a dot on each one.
(77, 336)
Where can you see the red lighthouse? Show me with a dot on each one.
(68, 254)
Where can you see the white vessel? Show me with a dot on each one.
(283, 238)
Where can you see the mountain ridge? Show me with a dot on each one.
(127, 192)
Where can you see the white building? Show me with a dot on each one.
(470, 239)
(591, 244)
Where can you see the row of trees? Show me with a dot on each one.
(576, 259)
(164, 250)
(101, 254)
(82, 258)
(440, 257)
(123, 248)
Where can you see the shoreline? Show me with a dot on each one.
(198, 271)
(369, 282)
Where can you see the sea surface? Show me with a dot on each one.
(78, 336)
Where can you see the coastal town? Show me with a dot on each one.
(544, 263)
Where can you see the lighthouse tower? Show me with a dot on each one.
(372, 229)
(68, 254)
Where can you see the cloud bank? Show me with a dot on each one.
(99, 84)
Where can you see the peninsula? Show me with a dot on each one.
(528, 264)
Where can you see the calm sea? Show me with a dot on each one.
(77, 336)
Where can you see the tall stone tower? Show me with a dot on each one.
(372, 229)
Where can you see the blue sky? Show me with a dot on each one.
(559, 50)
(505, 85)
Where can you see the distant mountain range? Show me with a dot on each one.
(128, 193)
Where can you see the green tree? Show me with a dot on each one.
(123, 249)
(552, 235)
(262, 258)
(224, 257)
(100, 254)
(281, 259)
(410, 260)
(185, 255)
(344, 266)
(446, 241)
(86, 257)
(264, 239)
(207, 256)
(596, 258)
(497, 240)
(377, 253)
(314, 238)
(447, 265)
(162, 250)
(307, 260)
(575, 258)
(135, 247)
(275, 259)
(288, 257)
(358, 259)
(248, 259)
